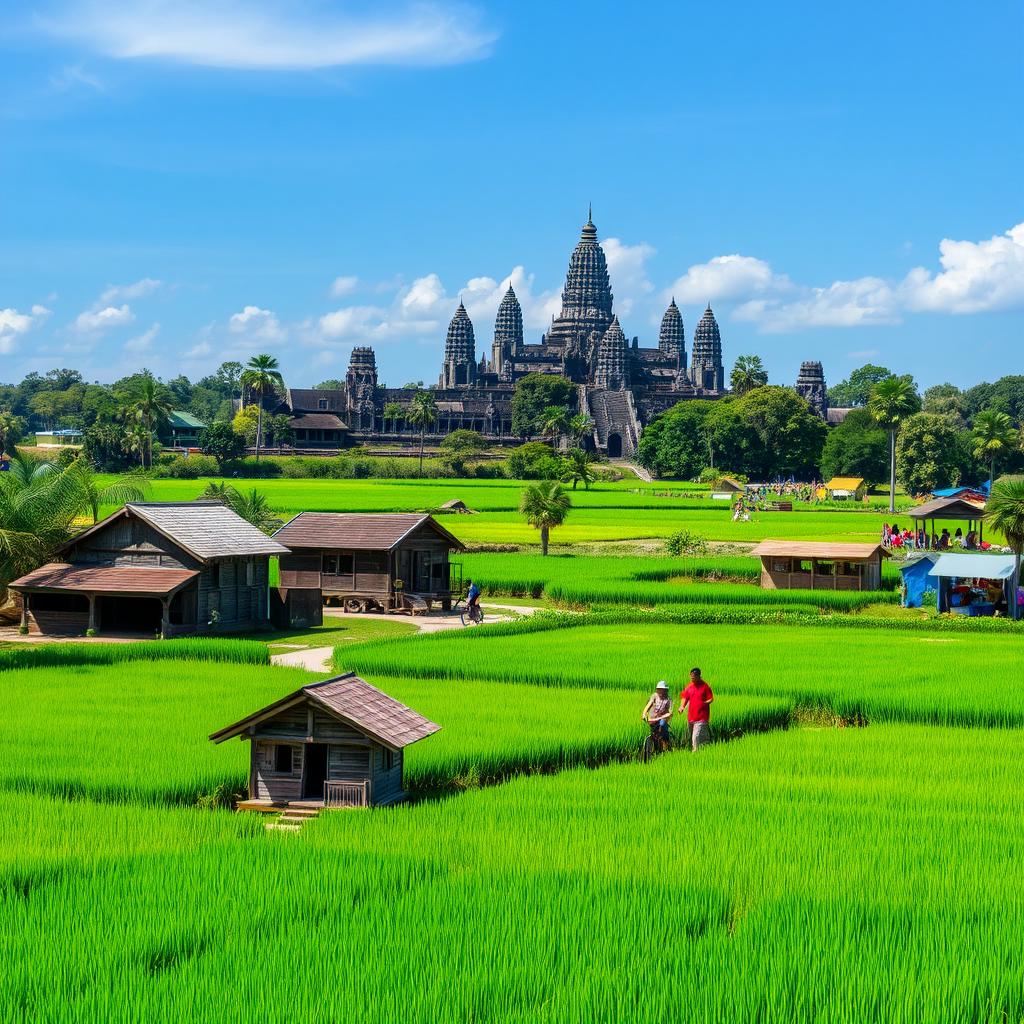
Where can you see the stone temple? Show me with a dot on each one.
(619, 384)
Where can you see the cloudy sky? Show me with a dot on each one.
(187, 181)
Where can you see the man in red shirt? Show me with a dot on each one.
(698, 696)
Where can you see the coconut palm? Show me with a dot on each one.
(151, 407)
(545, 506)
(422, 413)
(392, 411)
(554, 422)
(1004, 511)
(993, 435)
(251, 506)
(579, 426)
(130, 487)
(11, 429)
(748, 373)
(892, 401)
(578, 469)
(262, 377)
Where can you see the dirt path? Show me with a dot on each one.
(312, 659)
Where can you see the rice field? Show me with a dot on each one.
(813, 878)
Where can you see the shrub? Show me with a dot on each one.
(189, 468)
(534, 461)
(683, 542)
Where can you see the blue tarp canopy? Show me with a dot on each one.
(915, 579)
(972, 566)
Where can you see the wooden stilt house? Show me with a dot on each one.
(338, 743)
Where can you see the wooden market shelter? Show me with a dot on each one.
(160, 567)
(395, 562)
(949, 509)
(337, 743)
(815, 565)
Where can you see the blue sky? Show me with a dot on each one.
(186, 182)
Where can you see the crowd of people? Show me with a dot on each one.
(895, 539)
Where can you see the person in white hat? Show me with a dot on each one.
(658, 712)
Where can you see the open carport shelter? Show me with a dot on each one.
(167, 568)
(952, 509)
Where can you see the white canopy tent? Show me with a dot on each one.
(950, 568)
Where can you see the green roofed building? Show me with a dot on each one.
(182, 430)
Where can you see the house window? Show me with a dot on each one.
(804, 565)
(337, 565)
(387, 759)
(321, 404)
(283, 759)
(250, 574)
(215, 575)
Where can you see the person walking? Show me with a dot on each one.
(697, 698)
(657, 713)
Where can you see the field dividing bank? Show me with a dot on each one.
(809, 881)
(877, 672)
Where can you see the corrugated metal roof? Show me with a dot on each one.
(207, 529)
(973, 566)
(356, 531)
(105, 579)
(179, 418)
(352, 700)
(818, 549)
(845, 483)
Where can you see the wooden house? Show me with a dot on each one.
(395, 562)
(813, 565)
(727, 489)
(338, 743)
(168, 568)
(846, 488)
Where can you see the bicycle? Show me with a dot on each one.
(470, 616)
(653, 743)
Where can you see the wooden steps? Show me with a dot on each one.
(294, 817)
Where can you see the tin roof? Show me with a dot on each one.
(818, 549)
(974, 566)
(947, 508)
(845, 483)
(134, 579)
(181, 419)
(354, 701)
(357, 531)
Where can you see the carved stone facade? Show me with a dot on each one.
(810, 386)
(620, 384)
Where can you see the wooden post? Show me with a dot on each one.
(92, 611)
(24, 611)
(165, 617)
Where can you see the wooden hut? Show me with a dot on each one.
(395, 562)
(727, 489)
(338, 743)
(846, 488)
(168, 568)
(812, 565)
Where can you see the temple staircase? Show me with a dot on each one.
(613, 413)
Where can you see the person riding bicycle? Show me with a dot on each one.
(658, 712)
(473, 598)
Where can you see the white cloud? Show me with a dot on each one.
(199, 351)
(13, 324)
(726, 277)
(142, 342)
(72, 77)
(343, 286)
(628, 271)
(352, 322)
(98, 320)
(119, 292)
(859, 303)
(256, 324)
(976, 277)
(273, 34)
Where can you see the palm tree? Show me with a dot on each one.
(545, 506)
(578, 468)
(747, 373)
(891, 402)
(11, 429)
(554, 422)
(132, 486)
(579, 425)
(133, 441)
(993, 434)
(252, 506)
(422, 413)
(152, 407)
(262, 376)
(392, 411)
(1005, 512)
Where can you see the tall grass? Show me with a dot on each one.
(187, 649)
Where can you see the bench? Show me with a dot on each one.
(782, 506)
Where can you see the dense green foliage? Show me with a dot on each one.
(534, 395)
(857, 447)
(856, 389)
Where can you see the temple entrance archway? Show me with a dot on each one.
(614, 446)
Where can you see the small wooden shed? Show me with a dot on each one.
(813, 565)
(846, 488)
(395, 562)
(337, 743)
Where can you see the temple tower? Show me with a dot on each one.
(810, 386)
(706, 369)
(508, 335)
(612, 367)
(460, 366)
(361, 388)
(672, 336)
